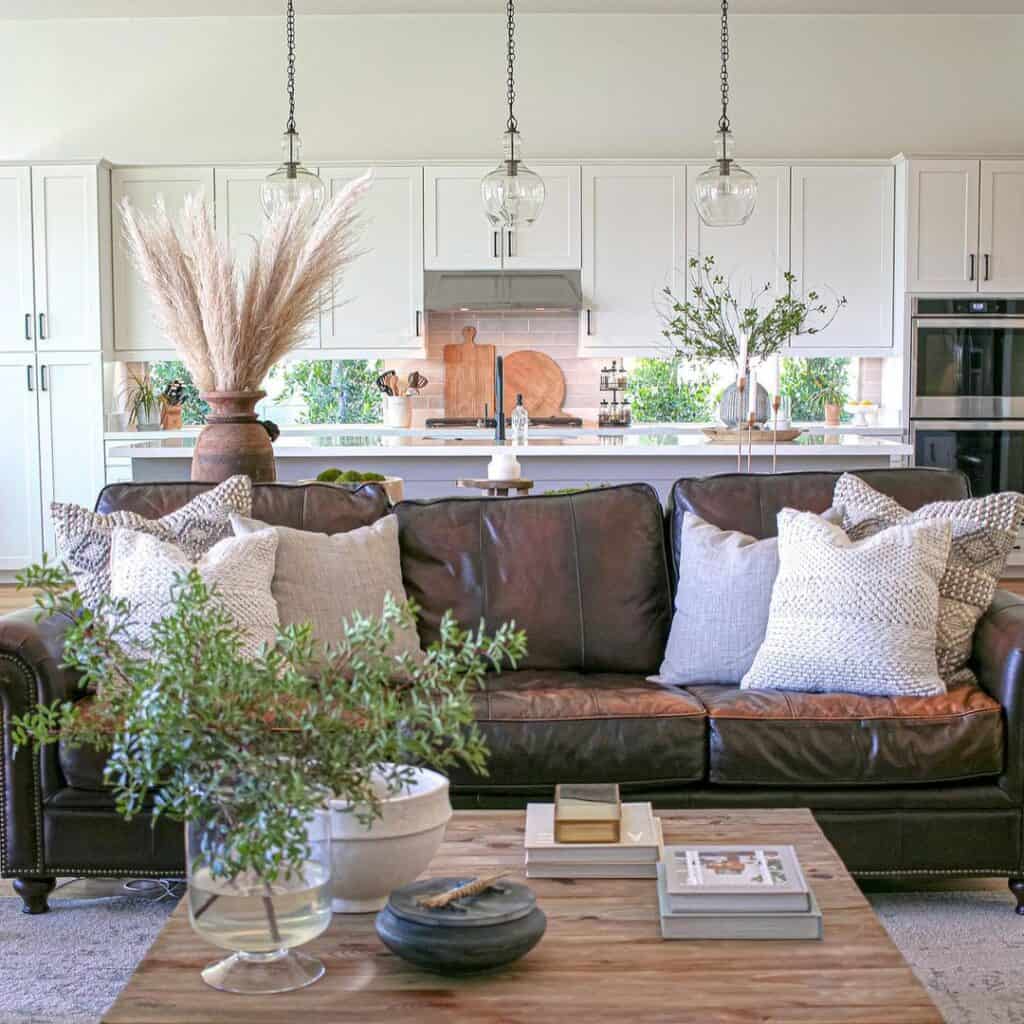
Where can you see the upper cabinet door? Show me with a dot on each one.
(17, 304)
(240, 219)
(1002, 226)
(379, 305)
(65, 231)
(843, 227)
(756, 253)
(634, 230)
(457, 235)
(943, 247)
(135, 329)
(552, 242)
(21, 523)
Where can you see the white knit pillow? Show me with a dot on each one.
(853, 616)
(143, 570)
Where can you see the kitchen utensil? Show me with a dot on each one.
(538, 378)
(383, 382)
(468, 376)
(417, 380)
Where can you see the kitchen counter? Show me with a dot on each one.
(431, 461)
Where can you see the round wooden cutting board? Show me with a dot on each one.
(538, 378)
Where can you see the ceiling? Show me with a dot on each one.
(36, 9)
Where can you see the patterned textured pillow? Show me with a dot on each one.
(984, 531)
(143, 570)
(84, 537)
(853, 617)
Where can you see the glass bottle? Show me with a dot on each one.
(602, 416)
(520, 422)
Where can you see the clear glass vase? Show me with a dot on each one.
(260, 920)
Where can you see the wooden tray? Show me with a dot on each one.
(728, 435)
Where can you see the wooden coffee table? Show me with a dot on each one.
(601, 960)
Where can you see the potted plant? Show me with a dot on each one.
(716, 325)
(173, 396)
(144, 401)
(231, 322)
(394, 486)
(249, 752)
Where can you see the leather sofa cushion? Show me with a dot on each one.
(548, 727)
(322, 508)
(585, 575)
(785, 738)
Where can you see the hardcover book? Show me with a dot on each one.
(587, 813)
(735, 879)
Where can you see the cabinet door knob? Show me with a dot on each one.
(42, 326)
(28, 378)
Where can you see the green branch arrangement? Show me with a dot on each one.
(194, 729)
(708, 326)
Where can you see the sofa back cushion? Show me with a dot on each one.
(323, 508)
(751, 502)
(585, 574)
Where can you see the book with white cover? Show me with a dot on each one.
(805, 925)
(735, 879)
(539, 866)
(640, 840)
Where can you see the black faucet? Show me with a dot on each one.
(499, 399)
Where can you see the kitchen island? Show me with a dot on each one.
(431, 461)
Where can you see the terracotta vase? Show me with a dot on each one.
(832, 415)
(233, 441)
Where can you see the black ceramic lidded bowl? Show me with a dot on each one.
(478, 933)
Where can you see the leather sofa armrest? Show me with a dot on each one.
(998, 661)
(31, 653)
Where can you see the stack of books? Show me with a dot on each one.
(735, 892)
(635, 855)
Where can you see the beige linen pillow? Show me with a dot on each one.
(322, 579)
(984, 531)
(143, 570)
(853, 616)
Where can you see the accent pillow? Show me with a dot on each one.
(322, 579)
(722, 602)
(143, 569)
(853, 616)
(984, 531)
(84, 537)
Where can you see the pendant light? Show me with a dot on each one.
(513, 195)
(291, 182)
(725, 193)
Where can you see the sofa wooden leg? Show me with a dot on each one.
(34, 893)
(1017, 888)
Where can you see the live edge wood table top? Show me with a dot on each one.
(601, 960)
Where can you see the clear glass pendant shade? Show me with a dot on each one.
(513, 195)
(291, 182)
(725, 194)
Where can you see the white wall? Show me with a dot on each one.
(211, 89)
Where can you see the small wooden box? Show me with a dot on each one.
(588, 813)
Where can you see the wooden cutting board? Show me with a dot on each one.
(468, 377)
(538, 378)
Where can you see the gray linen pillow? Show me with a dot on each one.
(322, 579)
(854, 616)
(722, 602)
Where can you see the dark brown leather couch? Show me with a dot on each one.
(915, 786)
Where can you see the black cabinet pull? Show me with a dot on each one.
(589, 331)
(28, 326)
(509, 252)
(42, 326)
(971, 276)
(987, 266)
(28, 378)
(418, 320)
(495, 246)
(42, 378)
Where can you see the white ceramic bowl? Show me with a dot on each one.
(368, 863)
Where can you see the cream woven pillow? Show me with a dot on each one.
(853, 616)
(143, 570)
(984, 531)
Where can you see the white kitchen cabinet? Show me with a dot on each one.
(942, 254)
(17, 302)
(553, 241)
(240, 218)
(634, 231)
(842, 244)
(1001, 242)
(69, 388)
(456, 234)
(753, 254)
(21, 538)
(378, 309)
(136, 334)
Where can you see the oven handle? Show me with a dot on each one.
(969, 425)
(1014, 322)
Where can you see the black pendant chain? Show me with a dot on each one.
(290, 21)
(512, 125)
(723, 121)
